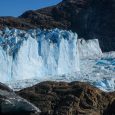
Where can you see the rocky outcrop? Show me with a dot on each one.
(11, 104)
(76, 98)
(91, 19)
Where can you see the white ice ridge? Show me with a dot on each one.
(37, 53)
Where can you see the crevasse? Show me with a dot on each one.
(37, 53)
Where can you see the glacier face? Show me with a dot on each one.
(29, 57)
(37, 53)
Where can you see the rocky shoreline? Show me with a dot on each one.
(57, 98)
(75, 98)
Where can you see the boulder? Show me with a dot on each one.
(12, 104)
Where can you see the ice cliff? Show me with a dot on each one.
(29, 57)
(37, 53)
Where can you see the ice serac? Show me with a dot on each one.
(37, 53)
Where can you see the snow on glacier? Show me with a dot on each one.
(37, 53)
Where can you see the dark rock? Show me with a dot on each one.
(76, 98)
(89, 18)
(11, 104)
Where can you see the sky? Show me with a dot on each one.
(17, 7)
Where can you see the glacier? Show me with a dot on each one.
(37, 53)
(32, 56)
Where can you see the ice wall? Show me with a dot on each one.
(89, 48)
(37, 53)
